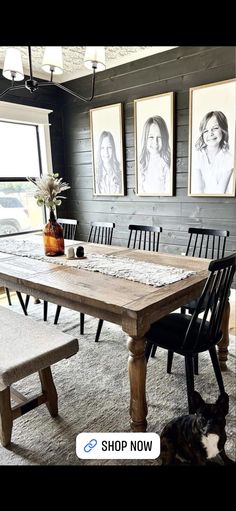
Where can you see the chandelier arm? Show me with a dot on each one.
(13, 87)
(72, 93)
(43, 84)
(78, 96)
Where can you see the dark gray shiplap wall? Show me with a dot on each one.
(175, 70)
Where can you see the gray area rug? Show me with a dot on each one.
(93, 392)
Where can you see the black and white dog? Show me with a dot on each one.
(197, 439)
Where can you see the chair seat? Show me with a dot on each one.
(169, 333)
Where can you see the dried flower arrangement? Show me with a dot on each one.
(48, 189)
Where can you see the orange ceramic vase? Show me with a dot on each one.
(53, 237)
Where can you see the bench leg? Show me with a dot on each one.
(49, 389)
(6, 421)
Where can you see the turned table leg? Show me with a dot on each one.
(224, 343)
(137, 375)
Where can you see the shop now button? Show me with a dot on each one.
(126, 446)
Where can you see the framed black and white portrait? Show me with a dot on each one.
(107, 150)
(212, 120)
(153, 119)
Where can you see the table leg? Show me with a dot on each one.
(224, 343)
(137, 375)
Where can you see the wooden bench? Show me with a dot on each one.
(28, 346)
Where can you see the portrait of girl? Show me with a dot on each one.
(107, 150)
(108, 173)
(212, 135)
(154, 145)
(155, 156)
(212, 161)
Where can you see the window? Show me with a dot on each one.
(24, 151)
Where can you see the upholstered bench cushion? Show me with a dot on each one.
(26, 346)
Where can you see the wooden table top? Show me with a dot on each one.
(131, 304)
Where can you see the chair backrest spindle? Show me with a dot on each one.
(206, 243)
(101, 232)
(144, 237)
(214, 297)
(69, 226)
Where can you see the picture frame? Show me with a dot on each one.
(212, 140)
(106, 125)
(153, 119)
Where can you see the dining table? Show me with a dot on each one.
(123, 300)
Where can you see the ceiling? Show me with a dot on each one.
(73, 58)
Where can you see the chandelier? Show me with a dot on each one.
(94, 59)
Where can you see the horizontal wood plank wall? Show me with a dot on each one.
(175, 70)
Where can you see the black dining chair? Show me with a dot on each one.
(208, 244)
(19, 295)
(69, 226)
(8, 295)
(189, 335)
(100, 232)
(145, 237)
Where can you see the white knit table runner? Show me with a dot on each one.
(122, 267)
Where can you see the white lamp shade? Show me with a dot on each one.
(13, 65)
(52, 60)
(95, 57)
